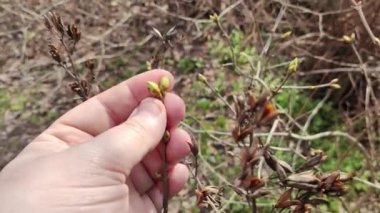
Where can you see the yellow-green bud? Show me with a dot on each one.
(154, 89)
(201, 78)
(349, 39)
(334, 81)
(376, 41)
(293, 66)
(148, 65)
(335, 86)
(214, 17)
(286, 34)
(164, 83)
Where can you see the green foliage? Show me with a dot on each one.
(187, 65)
(220, 49)
(298, 103)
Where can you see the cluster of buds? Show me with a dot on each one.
(158, 90)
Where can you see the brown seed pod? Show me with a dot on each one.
(284, 197)
(329, 180)
(304, 177)
(252, 183)
(303, 186)
(240, 134)
(314, 160)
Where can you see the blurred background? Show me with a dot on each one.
(255, 39)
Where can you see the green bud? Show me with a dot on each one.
(293, 66)
(201, 78)
(334, 81)
(286, 34)
(376, 41)
(214, 17)
(154, 89)
(164, 83)
(335, 86)
(349, 39)
(148, 65)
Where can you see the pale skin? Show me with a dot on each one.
(102, 156)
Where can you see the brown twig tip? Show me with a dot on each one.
(73, 32)
(53, 20)
(62, 45)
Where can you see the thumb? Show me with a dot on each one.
(124, 146)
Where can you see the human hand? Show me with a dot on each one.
(101, 156)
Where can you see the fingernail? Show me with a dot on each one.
(150, 106)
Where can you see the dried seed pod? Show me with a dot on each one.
(285, 165)
(304, 177)
(251, 100)
(269, 113)
(281, 173)
(269, 158)
(252, 183)
(246, 156)
(284, 197)
(262, 100)
(314, 160)
(250, 156)
(329, 180)
(240, 134)
(303, 186)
